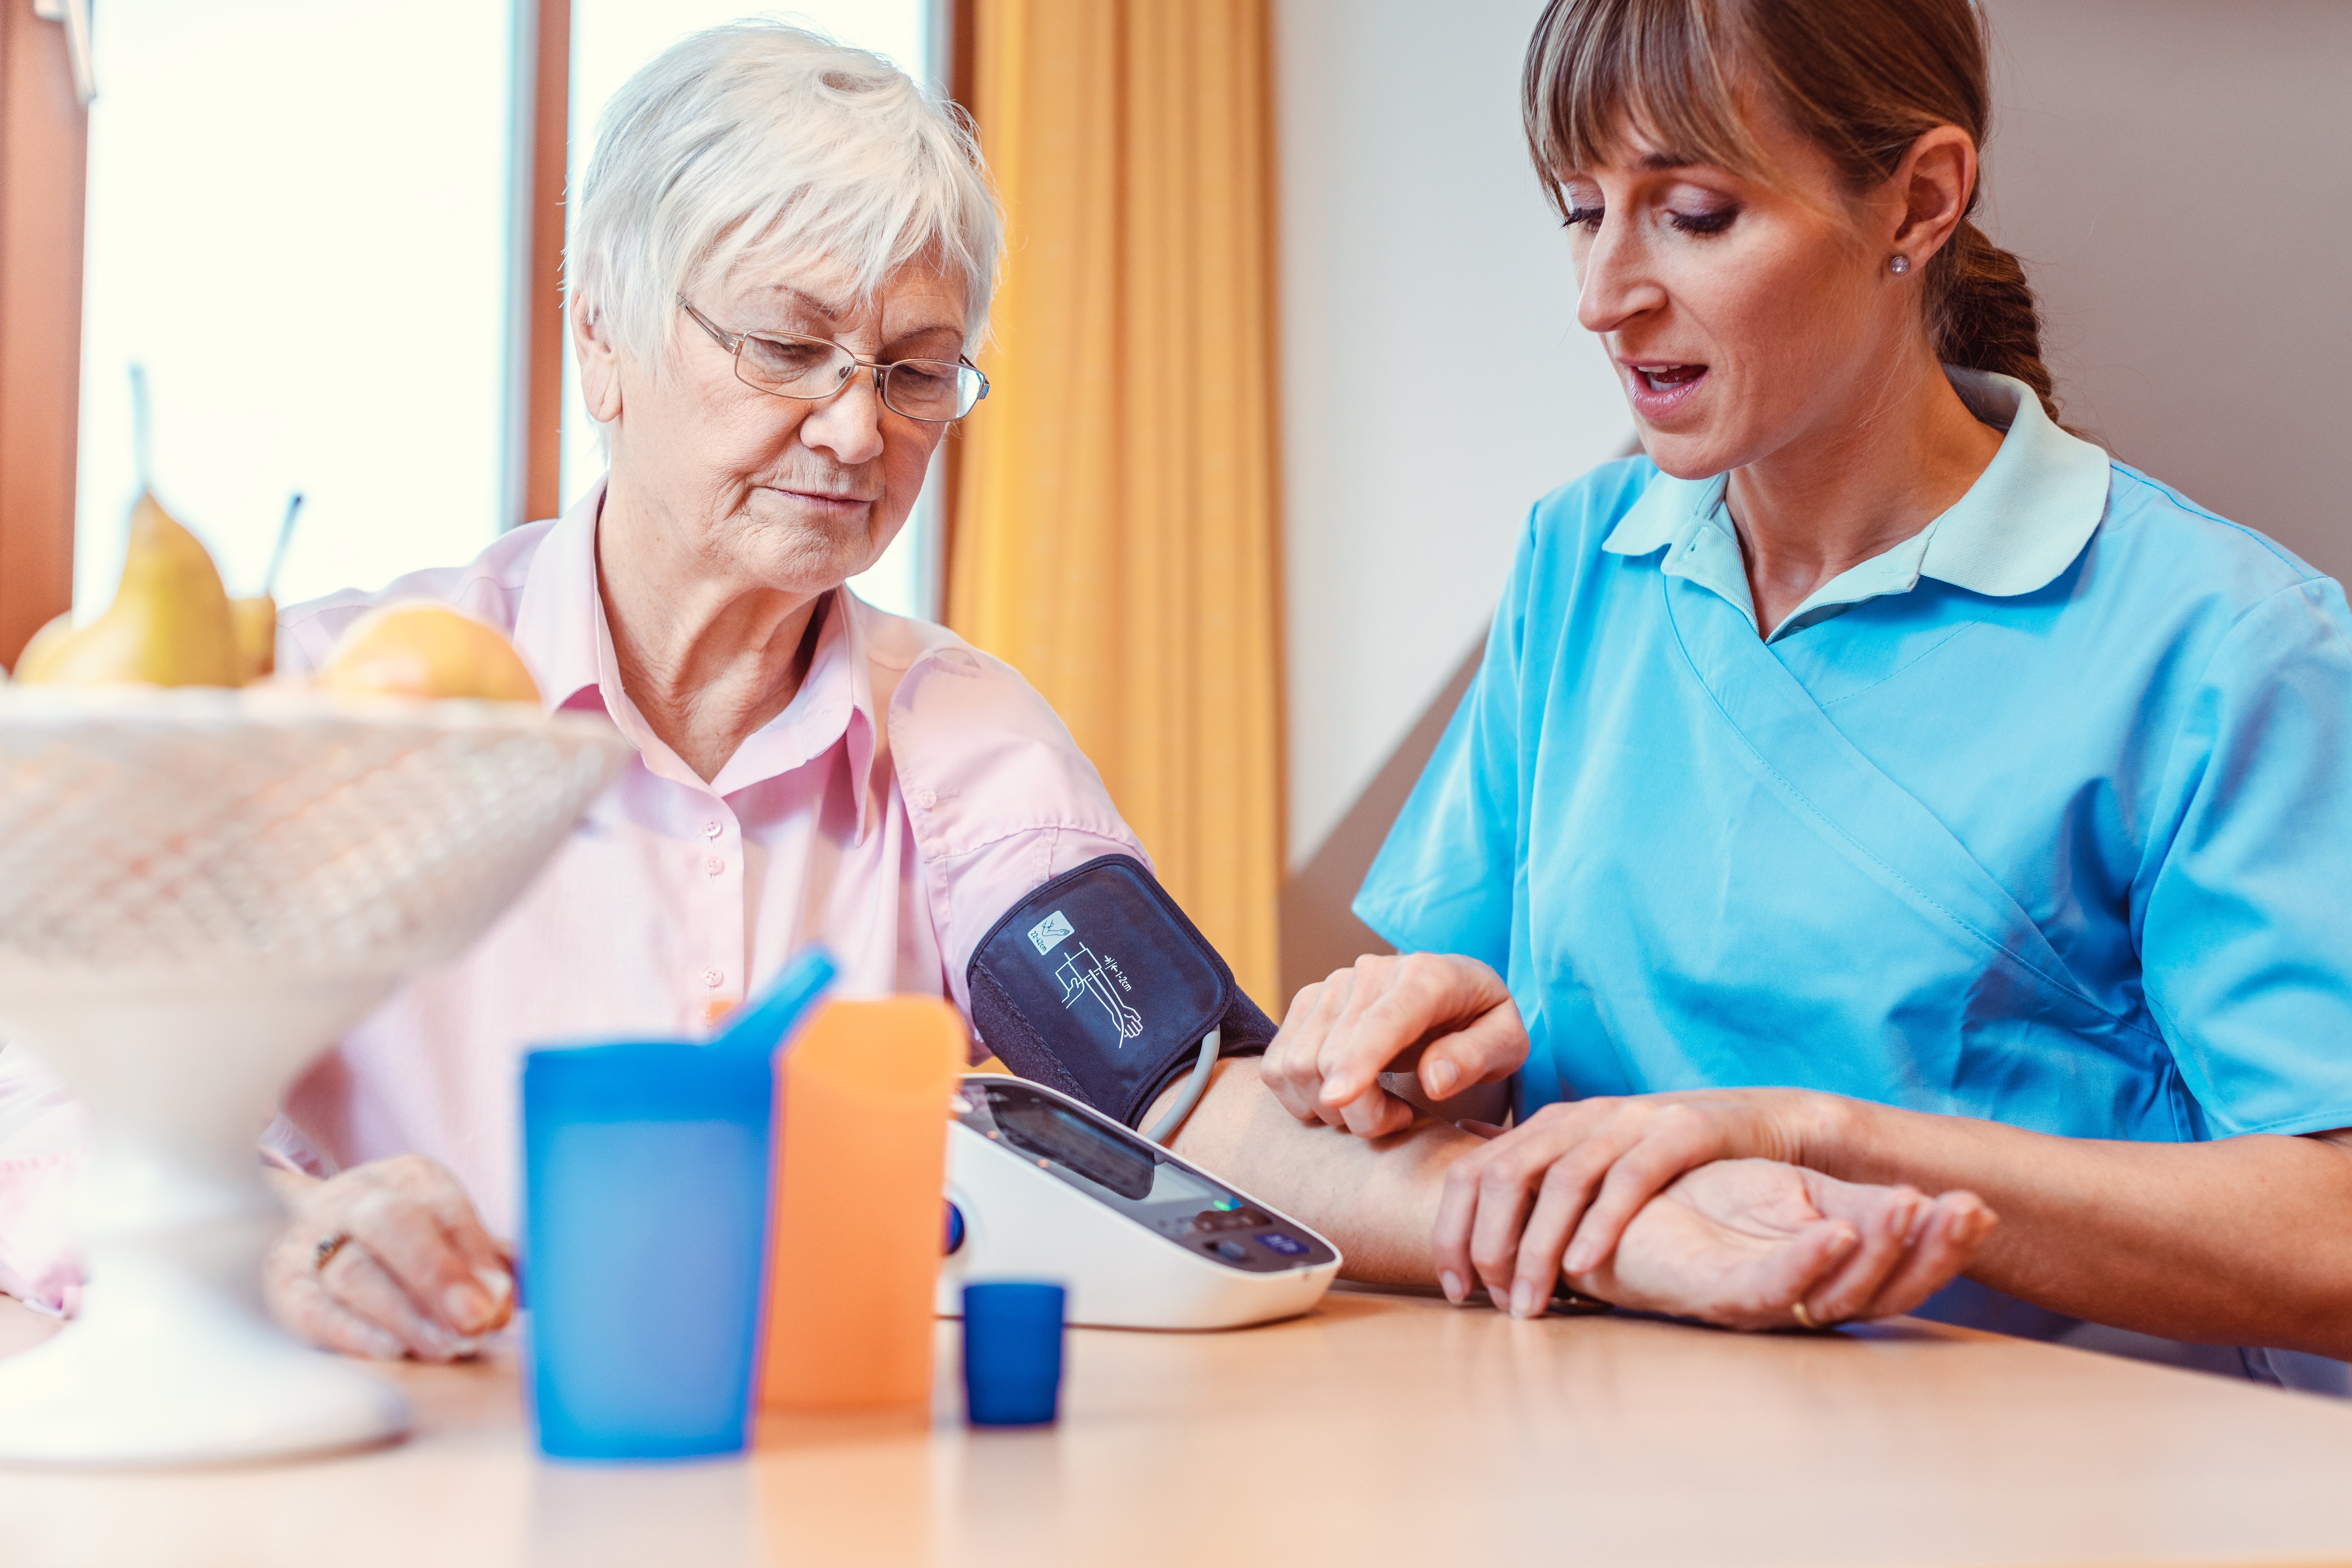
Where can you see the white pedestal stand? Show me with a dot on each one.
(198, 891)
(171, 1359)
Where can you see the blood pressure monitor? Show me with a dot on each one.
(1041, 1187)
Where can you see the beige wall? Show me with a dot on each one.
(2177, 175)
(1435, 382)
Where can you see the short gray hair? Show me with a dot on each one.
(759, 138)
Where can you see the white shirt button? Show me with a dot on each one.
(714, 865)
(926, 799)
(711, 829)
(714, 978)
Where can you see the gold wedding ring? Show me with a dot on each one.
(1805, 1318)
(327, 1248)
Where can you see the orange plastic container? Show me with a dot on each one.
(855, 1216)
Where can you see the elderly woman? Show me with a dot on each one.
(784, 256)
(783, 253)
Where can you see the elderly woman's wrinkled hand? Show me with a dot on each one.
(1747, 1243)
(389, 1260)
(1448, 1020)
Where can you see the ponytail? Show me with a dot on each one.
(1983, 313)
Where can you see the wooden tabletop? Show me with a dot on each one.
(1380, 1430)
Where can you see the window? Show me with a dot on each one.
(298, 222)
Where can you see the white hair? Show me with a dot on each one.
(759, 140)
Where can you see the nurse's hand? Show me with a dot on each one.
(1449, 1019)
(387, 1260)
(1744, 1242)
(1555, 1195)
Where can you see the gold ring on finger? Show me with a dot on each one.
(1805, 1318)
(325, 1252)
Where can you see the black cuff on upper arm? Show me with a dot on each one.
(1096, 985)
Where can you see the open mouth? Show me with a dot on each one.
(1657, 386)
(1664, 377)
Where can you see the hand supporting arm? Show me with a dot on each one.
(1738, 1243)
(2240, 1241)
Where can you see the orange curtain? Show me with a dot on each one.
(1114, 530)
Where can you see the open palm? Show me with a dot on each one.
(1742, 1242)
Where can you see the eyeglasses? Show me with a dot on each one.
(786, 365)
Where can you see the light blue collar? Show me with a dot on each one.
(2022, 522)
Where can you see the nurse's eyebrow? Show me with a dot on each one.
(1653, 162)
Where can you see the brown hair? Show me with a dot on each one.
(1861, 79)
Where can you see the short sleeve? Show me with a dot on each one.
(2246, 920)
(1444, 880)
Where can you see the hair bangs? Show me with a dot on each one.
(1604, 76)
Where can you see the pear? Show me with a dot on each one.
(43, 646)
(170, 624)
(423, 648)
(256, 635)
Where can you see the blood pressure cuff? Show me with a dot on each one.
(1097, 985)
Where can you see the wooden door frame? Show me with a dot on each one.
(541, 151)
(955, 26)
(44, 159)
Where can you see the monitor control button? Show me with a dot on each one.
(1231, 1251)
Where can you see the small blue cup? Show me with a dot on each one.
(1012, 1353)
(646, 1212)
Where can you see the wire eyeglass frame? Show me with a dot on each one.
(970, 386)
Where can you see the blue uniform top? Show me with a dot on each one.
(2043, 815)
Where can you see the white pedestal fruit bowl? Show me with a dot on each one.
(199, 890)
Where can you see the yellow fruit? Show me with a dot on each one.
(256, 635)
(43, 646)
(169, 625)
(421, 648)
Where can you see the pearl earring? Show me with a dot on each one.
(1899, 265)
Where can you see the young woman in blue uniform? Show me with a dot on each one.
(1873, 775)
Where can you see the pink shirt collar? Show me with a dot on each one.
(561, 633)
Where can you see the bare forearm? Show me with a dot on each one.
(2242, 1241)
(1375, 1198)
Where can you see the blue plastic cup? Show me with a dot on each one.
(645, 1166)
(1012, 1353)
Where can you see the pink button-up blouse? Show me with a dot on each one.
(913, 790)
